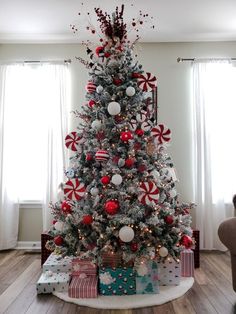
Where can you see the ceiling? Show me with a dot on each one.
(48, 21)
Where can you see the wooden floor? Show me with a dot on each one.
(19, 270)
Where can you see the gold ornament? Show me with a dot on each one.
(150, 148)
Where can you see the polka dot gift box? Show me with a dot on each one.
(50, 282)
(169, 273)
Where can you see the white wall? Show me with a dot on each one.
(174, 96)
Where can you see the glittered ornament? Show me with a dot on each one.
(135, 75)
(130, 91)
(169, 219)
(105, 180)
(94, 191)
(113, 108)
(91, 87)
(87, 219)
(96, 124)
(58, 240)
(89, 157)
(134, 247)
(112, 207)
(117, 81)
(99, 89)
(150, 148)
(91, 103)
(107, 54)
(126, 234)
(102, 155)
(66, 207)
(116, 179)
(129, 162)
(163, 252)
(126, 136)
(186, 241)
(139, 132)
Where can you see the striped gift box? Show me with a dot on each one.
(83, 287)
(113, 259)
(187, 263)
(83, 266)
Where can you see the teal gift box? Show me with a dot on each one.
(117, 281)
(147, 280)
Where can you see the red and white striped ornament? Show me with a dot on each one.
(102, 155)
(74, 189)
(91, 88)
(161, 133)
(147, 82)
(146, 125)
(72, 141)
(148, 193)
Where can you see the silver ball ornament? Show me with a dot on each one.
(113, 108)
(116, 179)
(130, 91)
(94, 191)
(99, 89)
(96, 125)
(163, 252)
(126, 234)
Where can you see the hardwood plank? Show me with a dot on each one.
(41, 304)
(69, 308)
(166, 308)
(183, 306)
(10, 294)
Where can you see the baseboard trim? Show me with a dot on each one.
(28, 245)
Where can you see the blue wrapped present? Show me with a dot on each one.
(117, 281)
(147, 280)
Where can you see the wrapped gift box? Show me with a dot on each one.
(187, 263)
(112, 260)
(57, 264)
(117, 281)
(169, 272)
(45, 252)
(148, 283)
(83, 266)
(83, 287)
(196, 250)
(54, 282)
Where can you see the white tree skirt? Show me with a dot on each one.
(167, 293)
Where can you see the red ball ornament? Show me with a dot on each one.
(129, 162)
(126, 136)
(58, 240)
(137, 146)
(117, 81)
(107, 54)
(139, 132)
(135, 75)
(91, 103)
(99, 50)
(169, 219)
(89, 157)
(111, 207)
(54, 221)
(105, 180)
(142, 168)
(134, 247)
(87, 220)
(66, 207)
(186, 241)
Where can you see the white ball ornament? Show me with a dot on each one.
(94, 191)
(163, 252)
(116, 179)
(130, 91)
(99, 89)
(113, 108)
(59, 225)
(126, 234)
(121, 162)
(96, 125)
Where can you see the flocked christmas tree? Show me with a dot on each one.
(120, 194)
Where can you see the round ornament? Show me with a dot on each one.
(96, 125)
(70, 173)
(146, 126)
(129, 162)
(111, 207)
(116, 179)
(135, 75)
(126, 234)
(141, 116)
(94, 191)
(126, 136)
(99, 51)
(139, 132)
(107, 54)
(169, 219)
(59, 225)
(91, 103)
(147, 82)
(117, 81)
(142, 168)
(87, 219)
(58, 240)
(89, 157)
(91, 87)
(186, 241)
(133, 124)
(161, 134)
(74, 189)
(113, 108)
(105, 180)
(72, 141)
(66, 207)
(163, 252)
(134, 247)
(102, 155)
(130, 91)
(148, 193)
(99, 89)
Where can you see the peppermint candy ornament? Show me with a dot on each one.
(147, 82)
(148, 193)
(73, 140)
(74, 189)
(161, 133)
(141, 117)
(146, 126)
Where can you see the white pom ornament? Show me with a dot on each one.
(116, 179)
(130, 91)
(163, 252)
(59, 225)
(94, 191)
(126, 234)
(99, 89)
(113, 108)
(96, 125)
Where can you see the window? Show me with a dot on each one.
(32, 104)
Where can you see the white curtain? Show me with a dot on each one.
(214, 112)
(35, 99)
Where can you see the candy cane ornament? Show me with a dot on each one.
(133, 124)
(73, 140)
(147, 82)
(146, 125)
(74, 189)
(161, 133)
(148, 193)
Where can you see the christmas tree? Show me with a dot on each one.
(119, 196)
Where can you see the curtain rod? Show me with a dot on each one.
(193, 59)
(67, 61)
